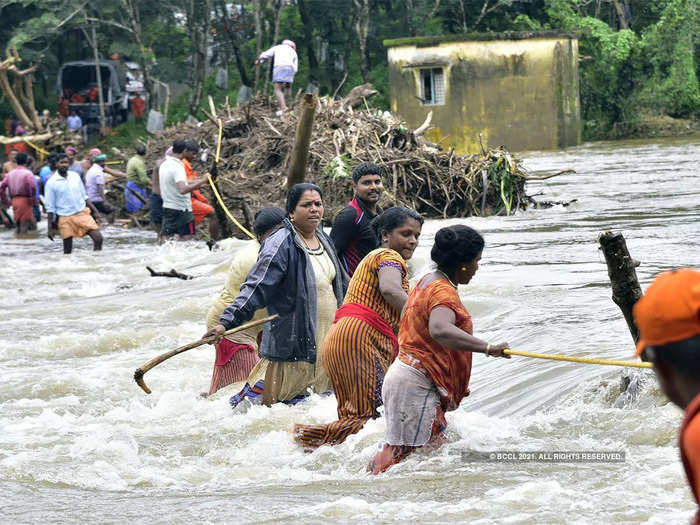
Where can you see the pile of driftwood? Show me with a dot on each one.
(256, 146)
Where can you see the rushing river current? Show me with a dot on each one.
(81, 443)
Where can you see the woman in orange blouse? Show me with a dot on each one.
(431, 374)
(361, 344)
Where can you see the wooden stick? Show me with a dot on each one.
(138, 375)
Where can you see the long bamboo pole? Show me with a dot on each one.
(573, 359)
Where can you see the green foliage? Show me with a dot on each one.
(625, 76)
(650, 69)
(672, 46)
(123, 137)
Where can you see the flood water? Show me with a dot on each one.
(81, 443)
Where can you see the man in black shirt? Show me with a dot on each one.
(352, 233)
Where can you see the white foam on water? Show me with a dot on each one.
(79, 441)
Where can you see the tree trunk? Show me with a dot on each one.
(300, 151)
(410, 28)
(198, 17)
(257, 13)
(309, 40)
(362, 28)
(31, 105)
(623, 277)
(235, 45)
(134, 15)
(12, 99)
(621, 15)
(100, 96)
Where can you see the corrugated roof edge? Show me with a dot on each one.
(426, 41)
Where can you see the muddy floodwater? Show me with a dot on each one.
(81, 443)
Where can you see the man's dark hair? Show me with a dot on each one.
(179, 146)
(53, 160)
(366, 168)
(682, 356)
(61, 156)
(140, 149)
(191, 145)
(21, 159)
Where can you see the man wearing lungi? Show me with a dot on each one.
(284, 67)
(67, 203)
(21, 187)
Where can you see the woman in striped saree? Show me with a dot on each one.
(362, 342)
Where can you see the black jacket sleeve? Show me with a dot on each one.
(344, 229)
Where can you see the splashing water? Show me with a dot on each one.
(79, 442)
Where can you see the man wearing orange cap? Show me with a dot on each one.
(668, 318)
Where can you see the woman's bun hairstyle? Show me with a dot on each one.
(455, 245)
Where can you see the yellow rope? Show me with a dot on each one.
(42, 152)
(587, 360)
(216, 192)
(228, 213)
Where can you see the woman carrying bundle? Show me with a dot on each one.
(298, 277)
(362, 343)
(237, 354)
(431, 374)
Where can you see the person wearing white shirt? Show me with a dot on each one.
(284, 67)
(174, 189)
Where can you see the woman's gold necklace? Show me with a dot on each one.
(311, 251)
(447, 277)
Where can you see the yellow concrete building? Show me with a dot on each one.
(520, 90)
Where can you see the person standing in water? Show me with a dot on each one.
(298, 277)
(68, 206)
(362, 342)
(431, 374)
(237, 354)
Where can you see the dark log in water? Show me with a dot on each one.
(171, 273)
(623, 276)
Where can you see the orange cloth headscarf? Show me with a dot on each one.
(669, 311)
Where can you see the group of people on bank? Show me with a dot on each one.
(347, 320)
(72, 190)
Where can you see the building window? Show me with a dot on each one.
(432, 86)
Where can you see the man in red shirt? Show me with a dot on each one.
(21, 187)
(668, 318)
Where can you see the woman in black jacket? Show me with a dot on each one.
(298, 277)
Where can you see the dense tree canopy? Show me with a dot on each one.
(637, 57)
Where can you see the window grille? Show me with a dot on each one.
(432, 86)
